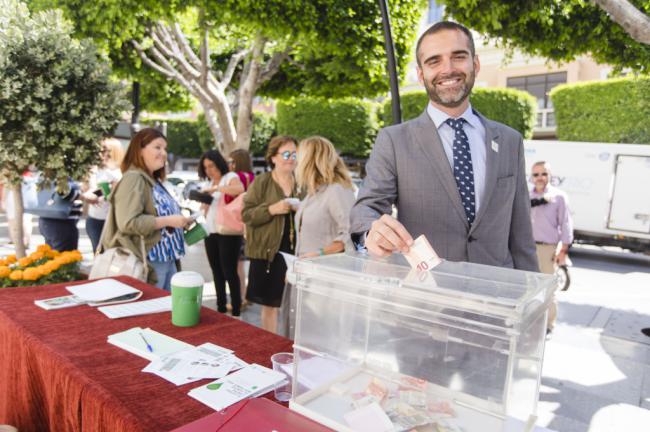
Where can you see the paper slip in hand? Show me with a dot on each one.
(421, 255)
(251, 381)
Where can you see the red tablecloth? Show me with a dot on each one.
(58, 372)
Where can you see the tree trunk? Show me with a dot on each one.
(17, 230)
(247, 91)
(225, 121)
(635, 22)
(213, 125)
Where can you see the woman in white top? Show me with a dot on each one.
(323, 218)
(108, 172)
(222, 249)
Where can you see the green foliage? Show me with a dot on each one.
(56, 97)
(555, 30)
(336, 46)
(191, 138)
(604, 111)
(351, 124)
(264, 128)
(511, 107)
(183, 137)
(413, 103)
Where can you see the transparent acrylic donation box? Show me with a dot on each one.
(458, 348)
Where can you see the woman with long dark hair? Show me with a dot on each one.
(222, 248)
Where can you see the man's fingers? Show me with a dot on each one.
(376, 250)
(395, 232)
(388, 239)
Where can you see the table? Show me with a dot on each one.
(58, 373)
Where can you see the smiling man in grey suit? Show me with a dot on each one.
(455, 176)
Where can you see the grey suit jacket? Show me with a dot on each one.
(408, 168)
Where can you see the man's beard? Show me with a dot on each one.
(451, 100)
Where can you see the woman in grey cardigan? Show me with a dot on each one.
(323, 218)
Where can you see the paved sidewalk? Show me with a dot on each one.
(596, 375)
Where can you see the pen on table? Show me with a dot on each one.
(146, 343)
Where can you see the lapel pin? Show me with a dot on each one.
(495, 146)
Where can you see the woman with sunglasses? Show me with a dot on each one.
(268, 213)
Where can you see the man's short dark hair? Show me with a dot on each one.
(441, 26)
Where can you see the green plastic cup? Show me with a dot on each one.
(195, 234)
(105, 187)
(187, 293)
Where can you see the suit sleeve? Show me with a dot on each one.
(521, 241)
(379, 190)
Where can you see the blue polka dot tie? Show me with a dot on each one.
(463, 169)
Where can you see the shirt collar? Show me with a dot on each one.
(439, 117)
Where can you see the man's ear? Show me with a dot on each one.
(477, 64)
(418, 69)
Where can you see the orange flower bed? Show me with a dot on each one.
(43, 266)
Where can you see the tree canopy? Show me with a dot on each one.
(336, 46)
(56, 97)
(558, 30)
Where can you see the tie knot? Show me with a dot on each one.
(455, 124)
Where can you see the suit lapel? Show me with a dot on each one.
(492, 163)
(428, 139)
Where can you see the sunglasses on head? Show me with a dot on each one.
(286, 155)
(540, 174)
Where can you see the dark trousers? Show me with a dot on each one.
(223, 254)
(60, 234)
(94, 230)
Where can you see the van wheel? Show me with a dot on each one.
(563, 278)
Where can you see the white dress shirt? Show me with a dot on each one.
(475, 134)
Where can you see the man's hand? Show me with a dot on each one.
(560, 257)
(386, 236)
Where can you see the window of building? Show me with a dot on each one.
(539, 86)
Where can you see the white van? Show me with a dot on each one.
(608, 187)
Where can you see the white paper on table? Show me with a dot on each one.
(251, 381)
(101, 290)
(221, 354)
(133, 341)
(157, 305)
(370, 418)
(205, 361)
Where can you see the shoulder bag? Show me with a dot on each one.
(119, 261)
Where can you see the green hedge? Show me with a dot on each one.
(191, 138)
(183, 138)
(264, 128)
(616, 111)
(351, 124)
(512, 107)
